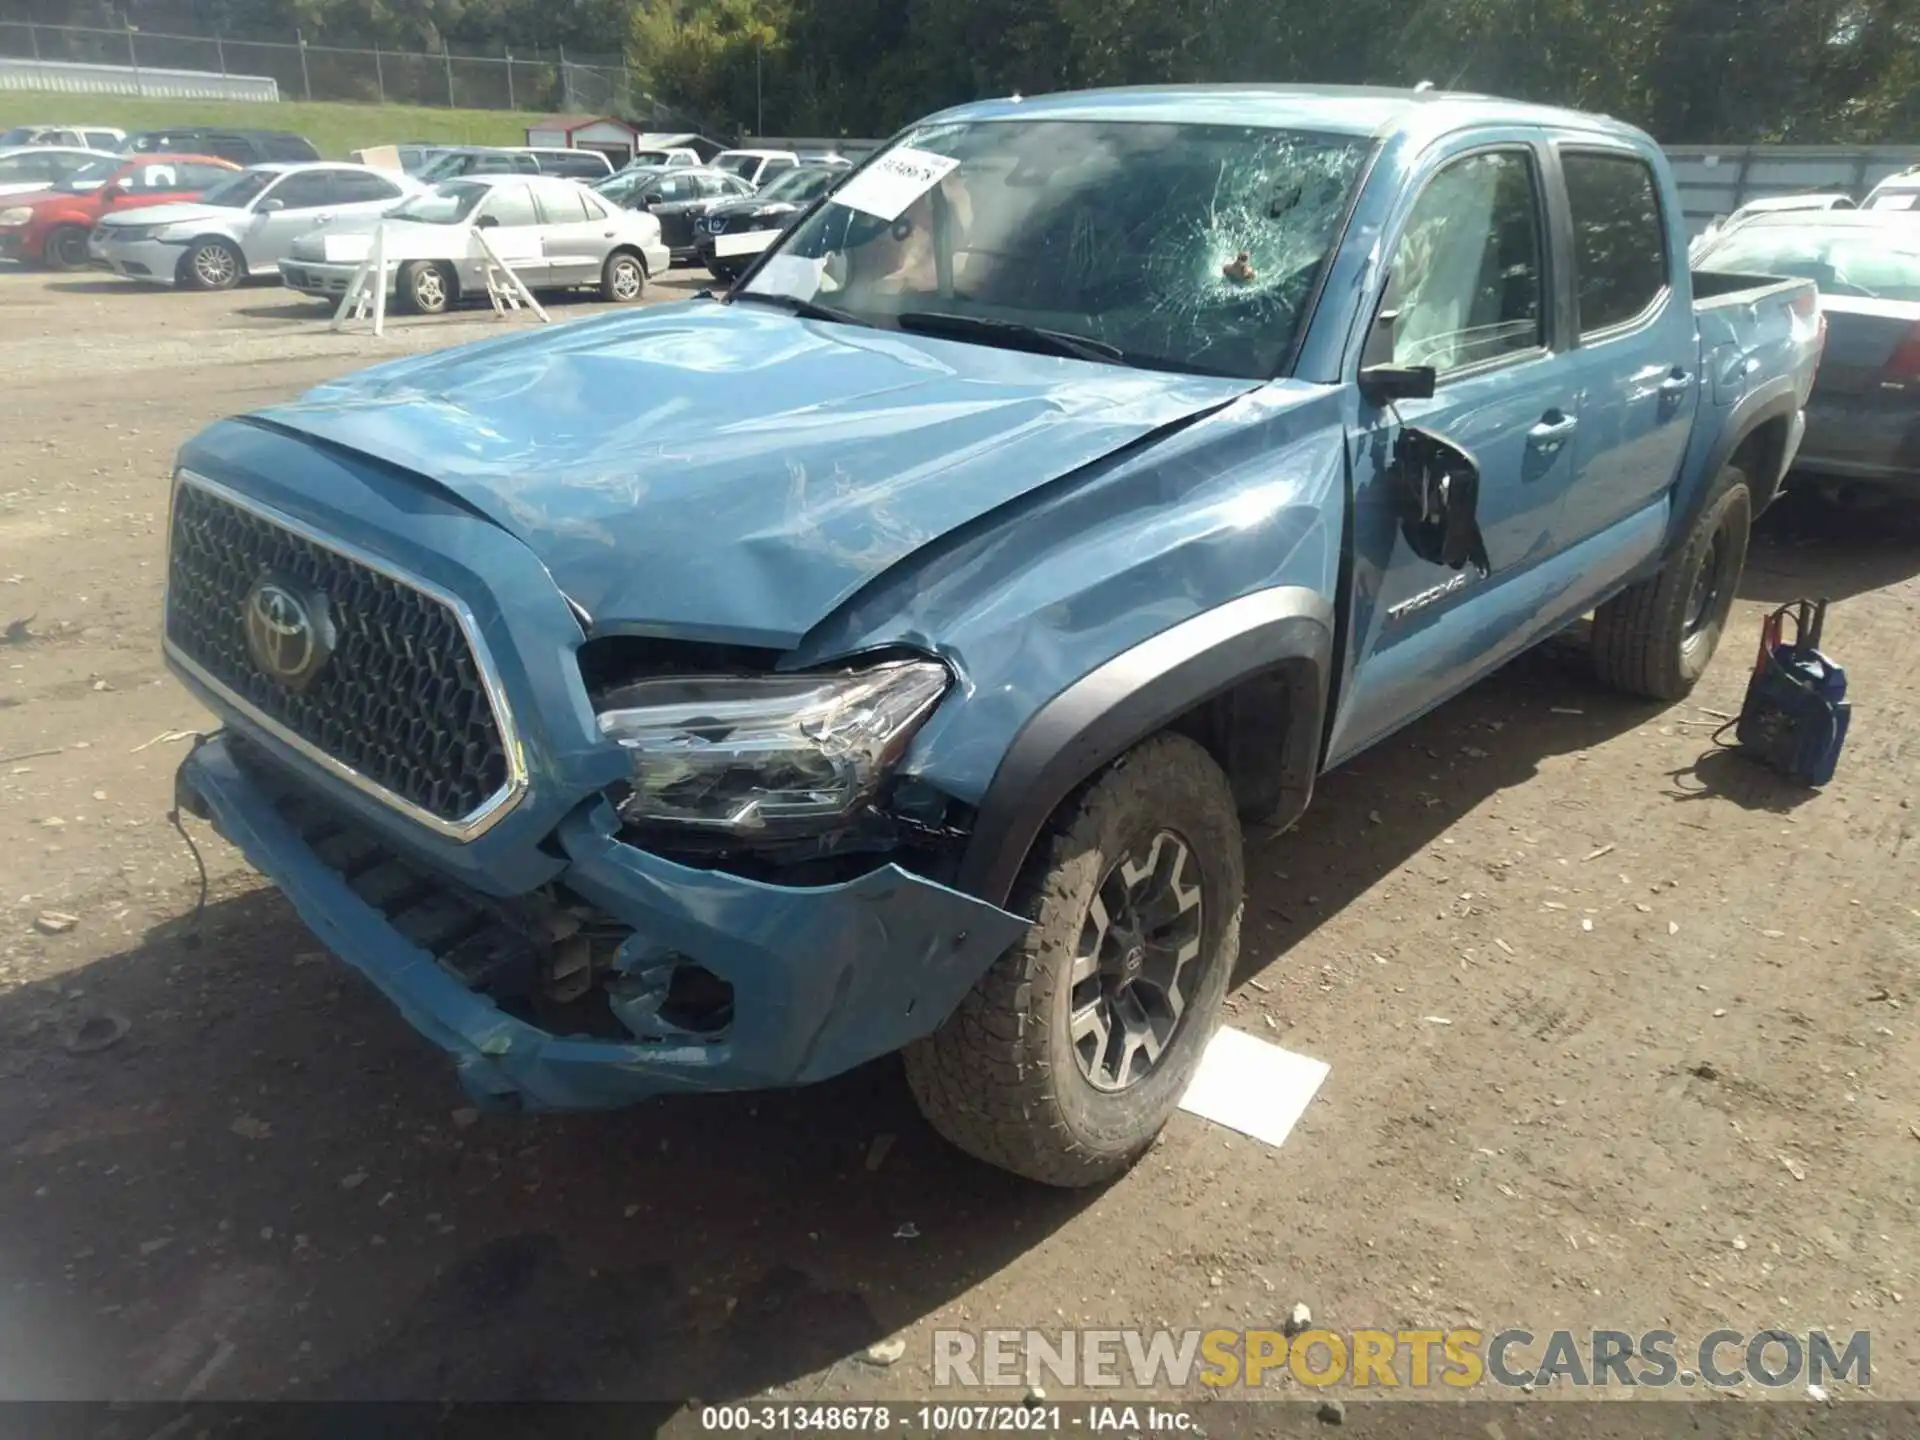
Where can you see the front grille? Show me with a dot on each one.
(400, 701)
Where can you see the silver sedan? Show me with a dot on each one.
(552, 233)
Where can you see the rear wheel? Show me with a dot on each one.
(1655, 638)
(427, 287)
(212, 265)
(66, 247)
(623, 279)
(1069, 1056)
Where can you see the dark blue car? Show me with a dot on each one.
(885, 657)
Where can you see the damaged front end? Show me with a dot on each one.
(630, 975)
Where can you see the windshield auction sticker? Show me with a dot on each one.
(894, 181)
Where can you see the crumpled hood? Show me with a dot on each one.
(728, 471)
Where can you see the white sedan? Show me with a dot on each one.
(243, 226)
(553, 233)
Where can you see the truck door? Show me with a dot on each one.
(1639, 359)
(1471, 279)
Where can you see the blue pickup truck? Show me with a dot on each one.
(883, 657)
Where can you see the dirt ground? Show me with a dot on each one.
(1622, 1032)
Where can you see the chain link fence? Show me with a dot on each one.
(460, 76)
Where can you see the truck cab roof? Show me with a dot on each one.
(1338, 109)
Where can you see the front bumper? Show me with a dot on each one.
(13, 245)
(823, 978)
(323, 279)
(147, 260)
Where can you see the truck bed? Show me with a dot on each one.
(1718, 287)
(1757, 333)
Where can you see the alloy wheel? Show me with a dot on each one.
(1134, 965)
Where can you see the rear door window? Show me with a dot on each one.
(510, 205)
(1619, 238)
(560, 204)
(354, 187)
(103, 140)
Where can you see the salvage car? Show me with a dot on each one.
(886, 655)
(589, 165)
(242, 146)
(1896, 192)
(732, 232)
(756, 167)
(671, 158)
(242, 226)
(677, 198)
(50, 227)
(1768, 205)
(73, 137)
(554, 234)
(1863, 421)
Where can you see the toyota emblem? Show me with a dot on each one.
(289, 633)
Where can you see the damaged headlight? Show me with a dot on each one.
(766, 755)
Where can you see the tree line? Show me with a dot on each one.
(1690, 71)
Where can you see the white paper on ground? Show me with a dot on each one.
(747, 242)
(894, 181)
(1250, 1085)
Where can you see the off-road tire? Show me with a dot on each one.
(65, 248)
(1645, 640)
(623, 279)
(999, 1078)
(212, 264)
(417, 289)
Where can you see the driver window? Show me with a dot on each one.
(153, 177)
(1466, 273)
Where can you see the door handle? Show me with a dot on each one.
(1677, 383)
(1552, 431)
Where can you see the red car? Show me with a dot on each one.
(51, 226)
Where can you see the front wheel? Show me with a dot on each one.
(623, 278)
(66, 248)
(1655, 638)
(426, 287)
(212, 265)
(1069, 1056)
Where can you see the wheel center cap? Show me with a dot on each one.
(1135, 958)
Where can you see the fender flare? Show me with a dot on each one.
(1777, 398)
(1283, 635)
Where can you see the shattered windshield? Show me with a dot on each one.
(1189, 247)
